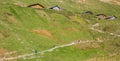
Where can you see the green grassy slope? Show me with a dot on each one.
(24, 29)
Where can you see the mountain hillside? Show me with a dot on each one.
(75, 30)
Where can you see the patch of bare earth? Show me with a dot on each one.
(117, 2)
(112, 1)
(12, 18)
(2, 52)
(43, 32)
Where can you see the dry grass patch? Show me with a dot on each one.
(43, 32)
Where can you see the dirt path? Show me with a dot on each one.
(48, 50)
(104, 32)
(100, 31)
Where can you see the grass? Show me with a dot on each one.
(63, 29)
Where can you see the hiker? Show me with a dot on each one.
(36, 51)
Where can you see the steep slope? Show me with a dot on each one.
(25, 32)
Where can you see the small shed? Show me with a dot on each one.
(37, 5)
(111, 18)
(55, 8)
(89, 12)
(101, 16)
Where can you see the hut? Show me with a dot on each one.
(37, 5)
(111, 17)
(101, 16)
(55, 8)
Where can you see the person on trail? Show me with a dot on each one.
(36, 51)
